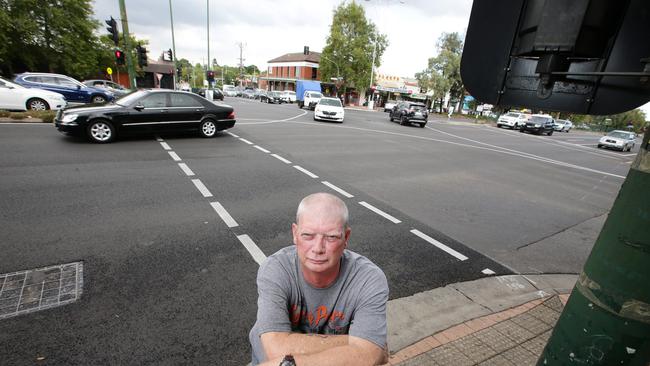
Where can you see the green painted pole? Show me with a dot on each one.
(127, 45)
(607, 318)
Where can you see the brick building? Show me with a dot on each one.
(282, 72)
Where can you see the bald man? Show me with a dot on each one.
(318, 302)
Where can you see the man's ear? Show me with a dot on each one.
(347, 235)
(294, 232)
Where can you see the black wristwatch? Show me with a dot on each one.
(288, 361)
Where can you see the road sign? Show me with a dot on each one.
(109, 71)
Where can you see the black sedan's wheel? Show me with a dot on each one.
(37, 104)
(208, 128)
(98, 99)
(422, 125)
(522, 130)
(101, 132)
(403, 121)
(550, 132)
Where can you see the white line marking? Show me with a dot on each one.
(175, 156)
(225, 216)
(488, 272)
(246, 141)
(305, 171)
(202, 188)
(281, 158)
(159, 139)
(186, 169)
(232, 134)
(439, 244)
(273, 121)
(379, 212)
(262, 149)
(252, 248)
(346, 194)
(165, 145)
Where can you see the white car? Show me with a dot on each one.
(16, 97)
(389, 105)
(563, 125)
(513, 120)
(289, 96)
(329, 109)
(619, 140)
(312, 98)
(229, 91)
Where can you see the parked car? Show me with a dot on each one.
(389, 105)
(408, 112)
(71, 89)
(289, 96)
(563, 125)
(513, 119)
(16, 97)
(539, 124)
(146, 111)
(217, 94)
(229, 91)
(248, 94)
(114, 88)
(619, 140)
(329, 109)
(271, 97)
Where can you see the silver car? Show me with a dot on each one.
(619, 140)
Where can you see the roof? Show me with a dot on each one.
(296, 57)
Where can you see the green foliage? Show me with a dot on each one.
(442, 74)
(635, 117)
(4, 114)
(349, 47)
(45, 116)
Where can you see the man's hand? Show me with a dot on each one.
(318, 349)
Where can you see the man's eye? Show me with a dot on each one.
(332, 237)
(308, 236)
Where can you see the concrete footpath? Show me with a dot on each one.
(503, 320)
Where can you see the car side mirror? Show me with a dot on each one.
(138, 107)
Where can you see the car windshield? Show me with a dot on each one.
(619, 135)
(7, 84)
(330, 101)
(315, 95)
(512, 115)
(417, 107)
(539, 119)
(130, 98)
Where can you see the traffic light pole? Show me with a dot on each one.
(174, 58)
(127, 46)
(607, 318)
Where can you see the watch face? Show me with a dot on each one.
(288, 361)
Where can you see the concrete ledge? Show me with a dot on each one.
(413, 318)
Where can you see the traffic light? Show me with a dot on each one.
(142, 56)
(170, 54)
(179, 71)
(112, 29)
(210, 76)
(119, 57)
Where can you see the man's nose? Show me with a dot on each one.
(319, 245)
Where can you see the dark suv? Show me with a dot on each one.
(409, 112)
(539, 124)
(71, 89)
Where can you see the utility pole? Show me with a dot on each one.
(209, 67)
(607, 318)
(174, 58)
(127, 46)
(241, 61)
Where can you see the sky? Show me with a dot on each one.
(269, 29)
(272, 28)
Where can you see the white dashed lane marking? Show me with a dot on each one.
(439, 245)
(281, 158)
(252, 248)
(380, 212)
(344, 193)
(232, 134)
(165, 145)
(305, 171)
(246, 141)
(262, 149)
(175, 156)
(186, 169)
(225, 216)
(202, 188)
(488, 272)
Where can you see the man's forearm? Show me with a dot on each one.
(302, 344)
(339, 356)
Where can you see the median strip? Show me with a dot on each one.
(439, 245)
(380, 212)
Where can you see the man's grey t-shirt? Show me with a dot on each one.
(355, 304)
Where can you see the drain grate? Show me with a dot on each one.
(39, 289)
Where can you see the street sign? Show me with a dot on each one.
(109, 71)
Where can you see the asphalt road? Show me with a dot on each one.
(167, 277)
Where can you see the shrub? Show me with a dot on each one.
(4, 114)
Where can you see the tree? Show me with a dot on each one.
(349, 47)
(44, 35)
(442, 74)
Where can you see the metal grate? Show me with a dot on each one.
(41, 288)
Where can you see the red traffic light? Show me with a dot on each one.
(119, 57)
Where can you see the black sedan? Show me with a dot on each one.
(146, 111)
(217, 94)
(271, 97)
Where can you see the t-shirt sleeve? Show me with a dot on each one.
(274, 290)
(369, 319)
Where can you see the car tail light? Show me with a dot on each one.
(231, 115)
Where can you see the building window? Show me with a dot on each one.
(314, 73)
